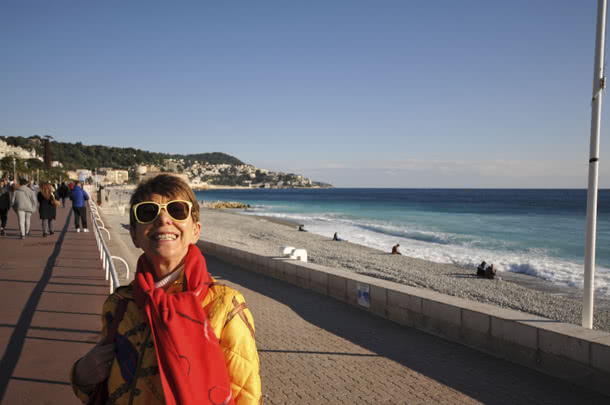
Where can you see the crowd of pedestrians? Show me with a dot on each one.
(26, 197)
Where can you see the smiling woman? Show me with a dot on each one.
(163, 222)
(203, 353)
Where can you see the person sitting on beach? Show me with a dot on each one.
(184, 338)
(337, 238)
(481, 269)
(302, 228)
(395, 249)
(490, 272)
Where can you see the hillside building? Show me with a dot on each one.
(19, 153)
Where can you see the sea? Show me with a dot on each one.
(538, 232)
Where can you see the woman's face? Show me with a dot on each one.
(165, 241)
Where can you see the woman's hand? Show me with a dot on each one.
(94, 366)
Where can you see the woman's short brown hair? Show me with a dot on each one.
(165, 185)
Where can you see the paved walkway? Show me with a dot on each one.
(51, 294)
(313, 349)
(316, 350)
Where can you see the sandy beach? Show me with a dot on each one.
(264, 236)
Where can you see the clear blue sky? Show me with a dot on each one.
(355, 93)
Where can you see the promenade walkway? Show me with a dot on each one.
(316, 350)
(313, 349)
(51, 294)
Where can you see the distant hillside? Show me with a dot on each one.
(79, 156)
(213, 158)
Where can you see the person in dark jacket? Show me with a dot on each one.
(63, 192)
(46, 208)
(5, 204)
(78, 197)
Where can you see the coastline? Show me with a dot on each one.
(510, 290)
(198, 187)
(524, 280)
(265, 235)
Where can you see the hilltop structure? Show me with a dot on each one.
(202, 175)
(17, 152)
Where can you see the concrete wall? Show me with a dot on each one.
(566, 351)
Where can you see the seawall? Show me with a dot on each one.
(566, 351)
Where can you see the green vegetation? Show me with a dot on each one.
(215, 158)
(78, 156)
(228, 177)
(74, 156)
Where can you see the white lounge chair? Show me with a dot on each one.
(299, 254)
(286, 250)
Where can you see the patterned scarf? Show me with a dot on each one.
(191, 363)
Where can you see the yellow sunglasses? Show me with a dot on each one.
(146, 212)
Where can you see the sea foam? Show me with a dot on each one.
(443, 247)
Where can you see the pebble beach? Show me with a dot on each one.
(265, 236)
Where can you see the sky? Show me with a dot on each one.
(353, 93)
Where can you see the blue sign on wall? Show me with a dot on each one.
(364, 296)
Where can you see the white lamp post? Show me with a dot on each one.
(599, 83)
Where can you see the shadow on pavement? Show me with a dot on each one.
(17, 340)
(475, 374)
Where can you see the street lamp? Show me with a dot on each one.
(47, 154)
(14, 170)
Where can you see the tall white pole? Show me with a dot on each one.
(596, 114)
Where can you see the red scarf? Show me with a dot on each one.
(191, 363)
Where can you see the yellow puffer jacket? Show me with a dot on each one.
(140, 382)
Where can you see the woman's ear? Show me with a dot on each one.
(196, 232)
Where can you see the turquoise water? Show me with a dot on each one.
(537, 232)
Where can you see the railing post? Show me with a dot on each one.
(105, 256)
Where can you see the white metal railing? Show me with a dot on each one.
(105, 255)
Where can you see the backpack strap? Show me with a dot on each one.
(116, 319)
(238, 309)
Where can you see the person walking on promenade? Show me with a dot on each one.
(182, 338)
(47, 208)
(24, 203)
(5, 204)
(78, 197)
(63, 192)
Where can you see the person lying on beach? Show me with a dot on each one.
(182, 338)
(395, 249)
